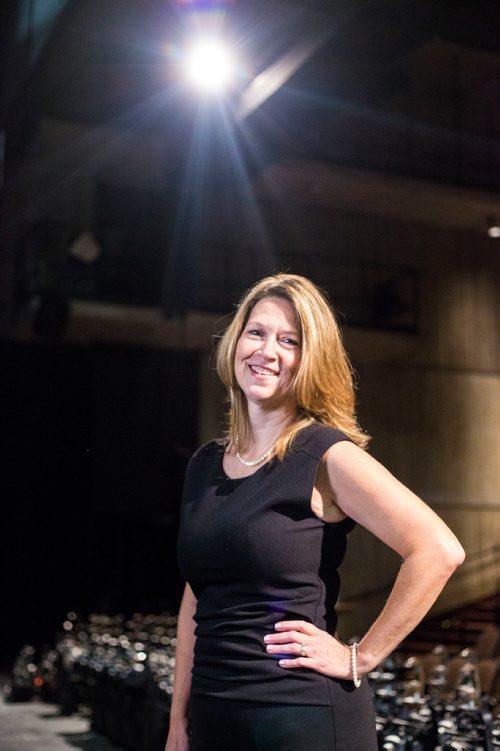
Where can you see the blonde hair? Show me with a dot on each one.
(323, 385)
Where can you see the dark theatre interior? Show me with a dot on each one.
(356, 142)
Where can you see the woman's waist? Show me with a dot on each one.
(233, 648)
(223, 644)
(237, 661)
(242, 669)
(253, 618)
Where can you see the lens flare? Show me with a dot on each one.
(209, 66)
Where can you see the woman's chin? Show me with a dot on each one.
(268, 401)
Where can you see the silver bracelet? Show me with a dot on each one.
(353, 648)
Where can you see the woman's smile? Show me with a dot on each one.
(258, 370)
(268, 352)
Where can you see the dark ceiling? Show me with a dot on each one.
(113, 63)
(110, 66)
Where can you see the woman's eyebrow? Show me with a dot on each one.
(258, 324)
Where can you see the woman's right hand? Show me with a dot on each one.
(177, 739)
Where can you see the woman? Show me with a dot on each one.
(265, 516)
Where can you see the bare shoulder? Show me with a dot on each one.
(369, 493)
(344, 459)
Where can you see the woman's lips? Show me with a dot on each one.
(259, 370)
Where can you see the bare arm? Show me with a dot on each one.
(367, 492)
(177, 736)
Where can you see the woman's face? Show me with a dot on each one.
(268, 353)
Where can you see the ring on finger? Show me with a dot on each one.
(303, 650)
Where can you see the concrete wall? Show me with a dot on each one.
(435, 415)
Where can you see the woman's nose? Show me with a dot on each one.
(268, 348)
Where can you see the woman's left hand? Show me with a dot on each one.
(314, 649)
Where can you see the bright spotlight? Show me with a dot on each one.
(209, 66)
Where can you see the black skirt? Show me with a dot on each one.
(230, 725)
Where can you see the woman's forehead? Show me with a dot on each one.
(275, 307)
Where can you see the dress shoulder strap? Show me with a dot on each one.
(315, 439)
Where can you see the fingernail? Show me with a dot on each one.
(266, 638)
(277, 625)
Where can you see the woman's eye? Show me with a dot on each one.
(254, 332)
(290, 342)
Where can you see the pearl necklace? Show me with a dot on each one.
(255, 461)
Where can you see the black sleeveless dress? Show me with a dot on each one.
(254, 553)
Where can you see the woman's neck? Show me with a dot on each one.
(267, 425)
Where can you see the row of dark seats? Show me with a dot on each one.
(432, 702)
(121, 670)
